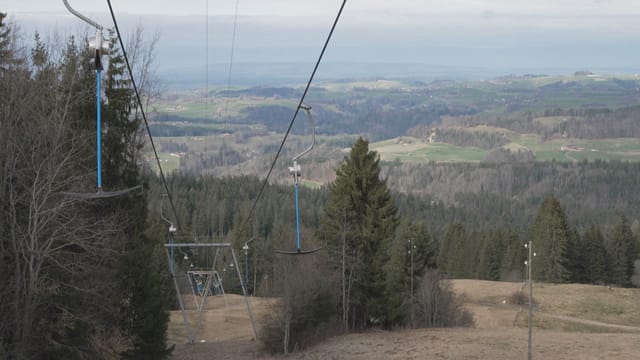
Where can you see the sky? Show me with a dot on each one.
(503, 35)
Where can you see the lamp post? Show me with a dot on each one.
(529, 264)
(246, 264)
(411, 250)
(231, 269)
(245, 247)
(172, 231)
(224, 274)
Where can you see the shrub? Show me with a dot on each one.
(520, 298)
(437, 305)
(305, 314)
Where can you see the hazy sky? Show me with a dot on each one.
(546, 13)
(509, 34)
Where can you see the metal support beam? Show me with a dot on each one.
(246, 299)
(184, 315)
(181, 245)
(529, 265)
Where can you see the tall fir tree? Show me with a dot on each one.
(576, 257)
(514, 257)
(358, 226)
(491, 255)
(594, 255)
(551, 236)
(412, 252)
(621, 253)
(450, 257)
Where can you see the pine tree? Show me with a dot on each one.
(621, 253)
(358, 225)
(514, 257)
(551, 236)
(595, 256)
(450, 257)
(576, 257)
(412, 252)
(491, 256)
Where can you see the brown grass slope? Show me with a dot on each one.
(571, 322)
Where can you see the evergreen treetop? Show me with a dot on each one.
(551, 236)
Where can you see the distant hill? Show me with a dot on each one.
(593, 106)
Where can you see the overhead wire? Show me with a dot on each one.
(233, 47)
(293, 119)
(144, 116)
(206, 62)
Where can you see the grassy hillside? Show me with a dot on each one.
(410, 149)
(500, 331)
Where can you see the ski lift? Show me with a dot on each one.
(295, 170)
(101, 48)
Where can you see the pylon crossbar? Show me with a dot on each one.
(180, 245)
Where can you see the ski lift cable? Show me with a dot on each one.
(233, 47)
(293, 119)
(206, 65)
(144, 116)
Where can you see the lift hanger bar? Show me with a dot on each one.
(82, 17)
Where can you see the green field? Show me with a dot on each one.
(414, 150)
(169, 161)
(418, 151)
(218, 108)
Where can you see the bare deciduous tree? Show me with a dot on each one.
(57, 257)
(436, 304)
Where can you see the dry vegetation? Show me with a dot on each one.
(573, 322)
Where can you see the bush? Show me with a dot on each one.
(635, 279)
(306, 312)
(436, 305)
(520, 298)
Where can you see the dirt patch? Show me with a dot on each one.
(225, 319)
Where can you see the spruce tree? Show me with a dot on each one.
(621, 253)
(551, 236)
(491, 256)
(576, 257)
(358, 225)
(450, 257)
(514, 257)
(412, 252)
(595, 256)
